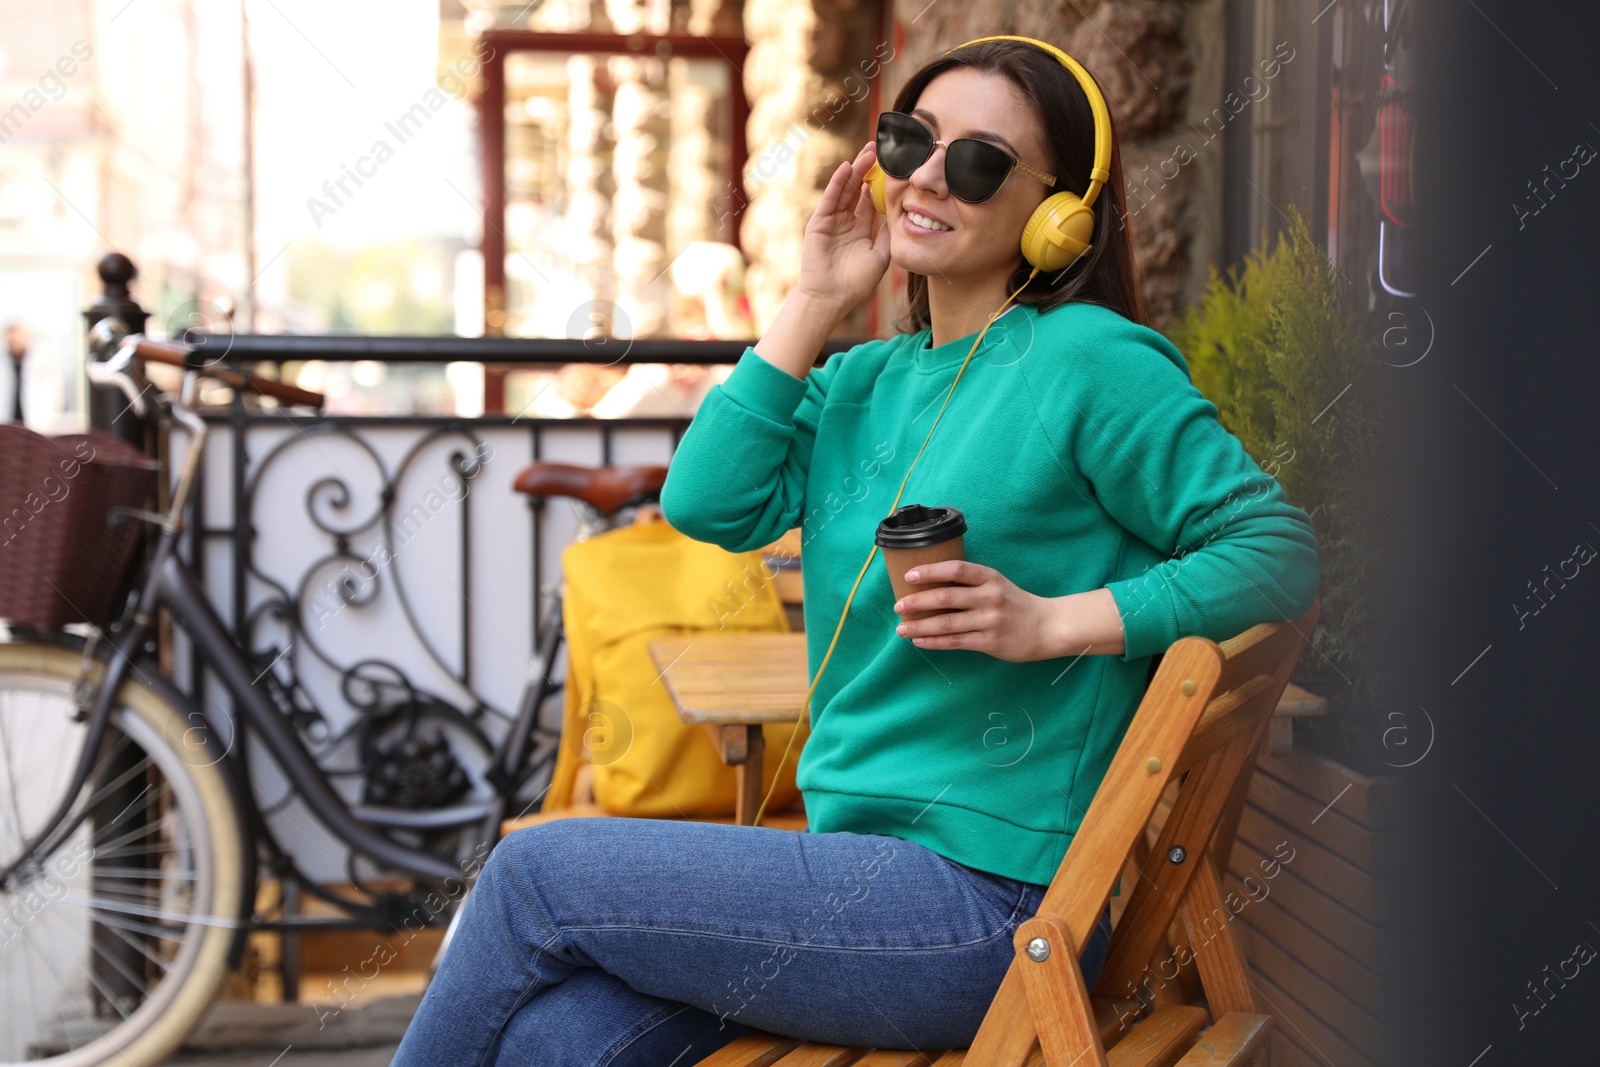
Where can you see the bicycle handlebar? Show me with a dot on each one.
(176, 355)
(117, 366)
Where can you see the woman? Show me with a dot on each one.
(951, 758)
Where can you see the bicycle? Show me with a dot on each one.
(128, 881)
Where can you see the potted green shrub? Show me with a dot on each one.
(1272, 345)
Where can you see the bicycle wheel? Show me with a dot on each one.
(113, 945)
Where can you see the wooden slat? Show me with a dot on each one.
(1235, 712)
(1233, 1040)
(1369, 801)
(953, 1058)
(1280, 735)
(1114, 1017)
(895, 1057)
(1343, 971)
(1340, 834)
(1212, 939)
(1158, 817)
(1353, 887)
(1057, 995)
(1301, 981)
(1297, 1022)
(1260, 649)
(1285, 1053)
(1360, 938)
(821, 1056)
(1008, 1032)
(1159, 1040)
(754, 1049)
(1297, 702)
(1228, 825)
(1186, 989)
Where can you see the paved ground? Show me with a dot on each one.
(298, 1035)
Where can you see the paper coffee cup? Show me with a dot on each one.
(915, 535)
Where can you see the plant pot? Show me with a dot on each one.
(1321, 679)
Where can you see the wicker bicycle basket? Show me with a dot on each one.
(62, 559)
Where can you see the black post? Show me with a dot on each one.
(108, 408)
(123, 813)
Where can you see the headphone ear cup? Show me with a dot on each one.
(877, 186)
(1057, 232)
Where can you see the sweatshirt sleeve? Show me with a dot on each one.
(738, 477)
(1161, 464)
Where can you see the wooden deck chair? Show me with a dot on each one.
(1201, 721)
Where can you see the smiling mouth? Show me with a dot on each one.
(924, 222)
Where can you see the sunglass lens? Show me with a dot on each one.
(975, 170)
(903, 144)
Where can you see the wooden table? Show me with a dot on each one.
(733, 684)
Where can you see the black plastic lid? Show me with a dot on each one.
(915, 526)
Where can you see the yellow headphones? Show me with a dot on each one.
(1058, 232)
(1056, 235)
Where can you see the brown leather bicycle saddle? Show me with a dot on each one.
(608, 489)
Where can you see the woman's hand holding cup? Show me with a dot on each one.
(980, 609)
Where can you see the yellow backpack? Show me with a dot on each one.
(624, 588)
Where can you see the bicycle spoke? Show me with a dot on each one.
(128, 907)
(165, 933)
(130, 836)
(130, 840)
(134, 980)
(150, 850)
(11, 778)
(110, 895)
(104, 992)
(107, 758)
(135, 873)
(121, 780)
(76, 812)
(139, 945)
(12, 767)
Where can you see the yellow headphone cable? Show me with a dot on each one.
(805, 707)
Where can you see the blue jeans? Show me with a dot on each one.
(615, 942)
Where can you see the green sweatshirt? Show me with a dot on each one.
(1082, 457)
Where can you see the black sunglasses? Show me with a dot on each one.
(974, 170)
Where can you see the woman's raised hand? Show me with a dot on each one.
(846, 247)
(845, 253)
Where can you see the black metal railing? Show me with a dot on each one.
(347, 515)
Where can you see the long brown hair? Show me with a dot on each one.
(1106, 274)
